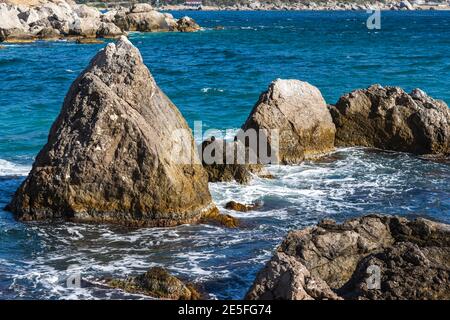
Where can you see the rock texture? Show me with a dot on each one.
(389, 118)
(298, 111)
(158, 283)
(230, 161)
(110, 155)
(330, 261)
(55, 19)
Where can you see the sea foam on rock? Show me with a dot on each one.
(299, 113)
(110, 153)
(331, 261)
(389, 118)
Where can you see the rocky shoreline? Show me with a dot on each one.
(60, 19)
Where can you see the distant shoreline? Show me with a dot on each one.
(312, 6)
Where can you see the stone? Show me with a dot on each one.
(241, 207)
(10, 24)
(88, 41)
(84, 27)
(141, 7)
(113, 156)
(108, 30)
(158, 283)
(413, 257)
(84, 11)
(389, 118)
(187, 24)
(298, 112)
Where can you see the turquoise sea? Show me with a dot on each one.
(216, 76)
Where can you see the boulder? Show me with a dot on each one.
(297, 111)
(241, 207)
(389, 118)
(230, 161)
(119, 152)
(150, 21)
(157, 283)
(84, 11)
(187, 24)
(85, 27)
(108, 30)
(338, 257)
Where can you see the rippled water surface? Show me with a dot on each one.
(216, 76)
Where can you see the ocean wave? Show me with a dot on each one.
(8, 168)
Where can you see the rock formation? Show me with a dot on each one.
(230, 161)
(298, 111)
(157, 283)
(112, 155)
(331, 261)
(389, 118)
(242, 207)
(55, 19)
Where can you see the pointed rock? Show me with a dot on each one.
(120, 152)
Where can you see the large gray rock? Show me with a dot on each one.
(298, 111)
(389, 118)
(413, 257)
(113, 155)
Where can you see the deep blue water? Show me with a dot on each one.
(216, 76)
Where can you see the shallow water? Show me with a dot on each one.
(216, 77)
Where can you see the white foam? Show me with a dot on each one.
(12, 169)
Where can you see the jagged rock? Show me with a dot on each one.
(389, 118)
(298, 111)
(228, 161)
(339, 255)
(119, 152)
(236, 206)
(158, 283)
(187, 24)
(285, 278)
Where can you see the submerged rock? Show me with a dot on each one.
(236, 206)
(389, 118)
(331, 261)
(157, 283)
(229, 161)
(112, 154)
(298, 111)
